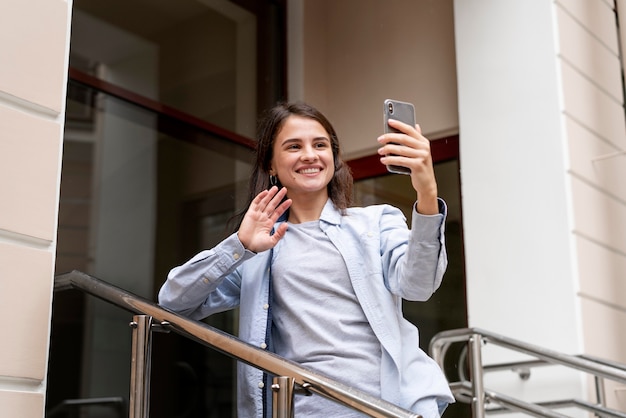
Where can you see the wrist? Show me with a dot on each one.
(244, 242)
(427, 205)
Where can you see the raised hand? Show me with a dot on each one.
(411, 149)
(255, 232)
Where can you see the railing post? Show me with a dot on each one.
(476, 373)
(282, 397)
(600, 392)
(140, 366)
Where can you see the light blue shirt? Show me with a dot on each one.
(386, 262)
(318, 321)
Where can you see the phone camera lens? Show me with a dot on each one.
(390, 107)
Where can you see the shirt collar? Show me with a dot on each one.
(330, 214)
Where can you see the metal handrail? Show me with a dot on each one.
(230, 346)
(473, 391)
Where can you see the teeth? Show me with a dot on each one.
(309, 170)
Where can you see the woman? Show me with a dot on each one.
(334, 276)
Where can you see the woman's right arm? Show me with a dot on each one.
(208, 283)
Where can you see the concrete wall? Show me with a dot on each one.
(34, 41)
(541, 127)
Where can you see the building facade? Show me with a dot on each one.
(533, 90)
(35, 49)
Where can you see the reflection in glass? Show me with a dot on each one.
(135, 201)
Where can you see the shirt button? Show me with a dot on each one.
(236, 256)
(266, 306)
(261, 385)
(205, 281)
(369, 234)
(263, 346)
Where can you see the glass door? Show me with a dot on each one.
(161, 107)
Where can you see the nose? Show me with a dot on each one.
(308, 154)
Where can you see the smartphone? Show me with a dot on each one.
(404, 112)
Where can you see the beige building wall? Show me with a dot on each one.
(34, 40)
(542, 139)
(593, 115)
(346, 57)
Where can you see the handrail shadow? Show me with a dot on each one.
(117, 404)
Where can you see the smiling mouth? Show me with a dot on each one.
(309, 170)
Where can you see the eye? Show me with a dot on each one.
(321, 144)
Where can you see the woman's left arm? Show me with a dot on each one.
(416, 260)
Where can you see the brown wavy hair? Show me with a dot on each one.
(270, 124)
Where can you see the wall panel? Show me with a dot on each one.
(33, 36)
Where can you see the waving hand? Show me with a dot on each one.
(255, 232)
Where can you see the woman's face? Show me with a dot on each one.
(303, 157)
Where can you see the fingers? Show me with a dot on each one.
(405, 128)
(255, 231)
(407, 148)
(409, 142)
(269, 205)
(405, 136)
(268, 201)
(282, 208)
(279, 233)
(404, 148)
(274, 207)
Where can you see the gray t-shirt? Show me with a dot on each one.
(318, 321)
